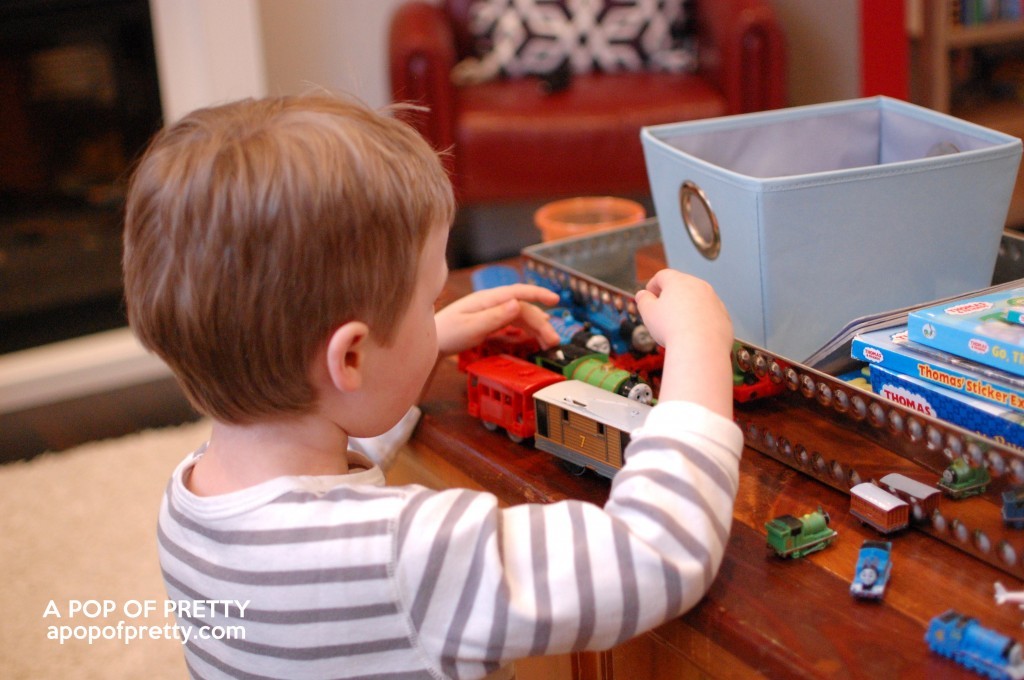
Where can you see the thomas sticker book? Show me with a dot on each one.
(890, 348)
(987, 419)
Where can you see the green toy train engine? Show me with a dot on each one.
(794, 537)
(961, 480)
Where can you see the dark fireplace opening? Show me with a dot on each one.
(79, 99)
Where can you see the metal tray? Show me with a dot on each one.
(867, 437)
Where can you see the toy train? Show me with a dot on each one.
(647, 367)
(585, 426)
(970, 644)
(878, 508)
(961, 479)
(795, 537)
(596, 369)
(1013, 507)
(623, 330)
(508, 368)
(874, 566)
(576, 363)
(510, 340)
(923, 499)
(500, 392)
(639, 373)
(500, 388)
(747, 386)
(896, 500)
(571, 331)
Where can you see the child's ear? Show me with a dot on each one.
(345, 354)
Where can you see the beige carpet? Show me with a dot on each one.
(78, 526)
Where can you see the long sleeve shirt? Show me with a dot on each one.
(344, 577)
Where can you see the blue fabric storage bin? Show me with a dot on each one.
(808, 217)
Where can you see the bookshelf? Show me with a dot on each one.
(949, 79)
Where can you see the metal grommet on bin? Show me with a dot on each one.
(700, 220)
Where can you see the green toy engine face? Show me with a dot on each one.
(815, 522)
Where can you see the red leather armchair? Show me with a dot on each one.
(512, 141)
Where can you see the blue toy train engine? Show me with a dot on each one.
(579, 333)
(964, 640)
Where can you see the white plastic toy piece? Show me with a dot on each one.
(1004, 596)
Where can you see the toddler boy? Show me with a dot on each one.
(283, 256)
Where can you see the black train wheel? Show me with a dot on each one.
(572, 468)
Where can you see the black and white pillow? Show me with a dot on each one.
(536, 37)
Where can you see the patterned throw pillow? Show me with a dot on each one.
(536, 37)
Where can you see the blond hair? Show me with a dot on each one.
(254, 229)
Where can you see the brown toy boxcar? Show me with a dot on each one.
(878, 508)
(586, 426)
(923, 499)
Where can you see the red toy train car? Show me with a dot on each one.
(508, 340)
(500, 390)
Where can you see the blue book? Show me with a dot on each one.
(987, 419)
(891, 348)
(974, 328)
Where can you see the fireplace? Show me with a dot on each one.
(79, 98)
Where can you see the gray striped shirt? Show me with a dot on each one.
(347, 578)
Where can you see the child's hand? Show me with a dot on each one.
(678, 307)
(684, 315)
(467, 321)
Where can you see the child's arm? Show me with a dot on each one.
(467, 321)
(487, 585)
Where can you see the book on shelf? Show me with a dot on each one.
(1002, 424)
(891, 349)
(979, 12)
(975, 328)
